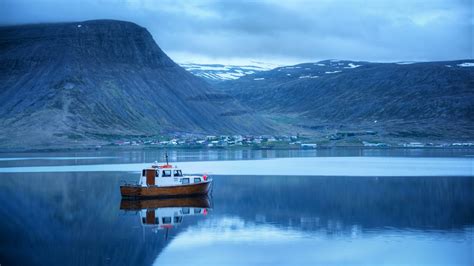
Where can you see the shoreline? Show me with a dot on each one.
(152, 148)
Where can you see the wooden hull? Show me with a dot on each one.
(171, 191)
(140, 204)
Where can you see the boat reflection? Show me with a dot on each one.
(160, 214)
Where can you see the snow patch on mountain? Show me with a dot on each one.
(467, 64)
(220, 72)
(351, 65)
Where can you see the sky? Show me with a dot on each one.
(277, 31)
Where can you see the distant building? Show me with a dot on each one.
(371, 144)
(238, 137)
(309, 145)
(414, 145)
(211, 137)
(463, 144)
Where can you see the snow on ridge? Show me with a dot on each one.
(217, 67)
(308, 77)
(223, 72)
(262, 65)
(258, 78)
(230, 75)
(351, 65)
(405, 63)
(466, 64)
(248, 67)
(208, 76)
(205, 67)
(220, 75)
(332, 72)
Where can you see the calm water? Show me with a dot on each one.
(77, 216)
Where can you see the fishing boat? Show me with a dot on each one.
(166, 181)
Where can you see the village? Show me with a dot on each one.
(190, 141)
(221, 141)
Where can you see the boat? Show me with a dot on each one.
(166, 181)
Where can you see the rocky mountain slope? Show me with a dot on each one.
(431, 100)
(74, 83)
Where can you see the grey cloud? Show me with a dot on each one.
(303, 30)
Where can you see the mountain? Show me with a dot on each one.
(426, 100)
(217, 72)
(85, 82)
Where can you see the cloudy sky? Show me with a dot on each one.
(278, 31)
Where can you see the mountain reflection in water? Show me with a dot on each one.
(76, 219)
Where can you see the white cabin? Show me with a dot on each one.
(168, 175)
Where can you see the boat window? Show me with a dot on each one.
(177, 219)
(185, 210)
(184, 180)
(143, 172)
(157, 173)
(197, 180)
(177, 173)
(166, 220)
(197, 210)
(157, 221)
(166, 173)
(143, 220)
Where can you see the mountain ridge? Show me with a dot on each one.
(426, 99)
(80, 82)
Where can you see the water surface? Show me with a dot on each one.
(74, 218)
